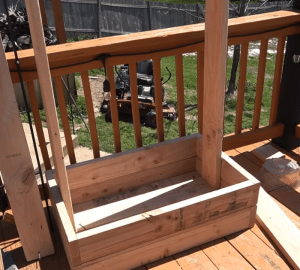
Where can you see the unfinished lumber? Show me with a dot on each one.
(215, 55)
(1, 260)
(130, 162)
(280, 229)
(42, 65)
(267, 151)
(18, 173)
(168, 245)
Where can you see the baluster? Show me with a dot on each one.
(114, 110)
(158, 99)
(200, 88)
(260, 83)
(180, 94)
(65, 119)
(277, 80)
(241, 89)
(135, 104)
(38, 124)
(90, 111)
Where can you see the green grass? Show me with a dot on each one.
(149, 135)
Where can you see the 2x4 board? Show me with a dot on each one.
(142, 205)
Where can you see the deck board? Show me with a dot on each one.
(251, 249)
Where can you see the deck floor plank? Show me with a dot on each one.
(168, 263)
(256, 252)
(194, 259)
(225, 256)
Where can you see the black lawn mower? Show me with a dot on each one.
(146, 94)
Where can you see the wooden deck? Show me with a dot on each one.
(250, 249)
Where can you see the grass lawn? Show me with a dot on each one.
(171, 128)
(149, 135)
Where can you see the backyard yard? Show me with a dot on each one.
(149, 135)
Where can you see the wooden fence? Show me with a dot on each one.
(100, 18)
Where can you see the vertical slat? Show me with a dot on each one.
(277, 80)
(43, 70)
(100, 19)
(135, 104)
(114, 110)
(241, 89)
(18, 173)
(158, 99)
(38, 124)
(65, 119)
(200, 88)
(43, 12)
(216, 34)
(180, 94)
(260, 83)
(90, 111)
(59, 21)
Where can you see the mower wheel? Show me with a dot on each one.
(172, 117)
(150, 119)
(108, 117)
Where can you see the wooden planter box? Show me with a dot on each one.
(142, 205)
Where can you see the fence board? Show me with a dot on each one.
(116, 17)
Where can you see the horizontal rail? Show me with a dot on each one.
(83, 53)
(253, 136)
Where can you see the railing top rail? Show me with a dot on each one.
(240, 30)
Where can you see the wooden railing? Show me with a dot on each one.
(83, 56)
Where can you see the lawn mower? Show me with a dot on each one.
(146, 94)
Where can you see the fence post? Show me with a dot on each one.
(99, 19)
(289, 99)
(149, 14)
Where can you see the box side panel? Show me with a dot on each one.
(130, 162)
(63, 222)
(171, 244)
(124, 183)
(232, 173)
(123, 234)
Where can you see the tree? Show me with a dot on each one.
(243, 11)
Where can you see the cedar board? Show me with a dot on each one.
(151, 222)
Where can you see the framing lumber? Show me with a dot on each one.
(112, 186)
(1, 260)
(279, 227)
(64, 224)
(168, 245)
(215, 56)
(39, 48)
(130, 162)
(18, 173)
(267, 151)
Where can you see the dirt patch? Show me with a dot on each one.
(96, 84)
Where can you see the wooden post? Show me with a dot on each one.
(18, 173)
(41, 59)
(59, 21)
(289, 99)
(215, 55)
